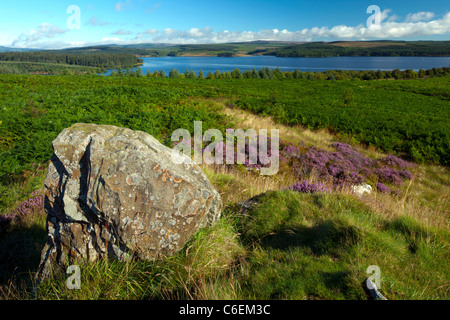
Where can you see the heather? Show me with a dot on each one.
(28, 208)
(308, 187)
(345, 166)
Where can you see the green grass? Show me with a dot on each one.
(288, 245)
(403, 117)
(199, 271)
(319, 246)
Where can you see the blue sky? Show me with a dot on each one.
(43, 24)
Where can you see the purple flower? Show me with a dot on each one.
(382, 188)
(346, 165)
(405, 174)
(307, 187)
(394, 161)
(390, 175)
(33, 205)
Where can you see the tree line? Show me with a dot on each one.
(99, 60)
(277, 74)
(320, 50)
(21, 67)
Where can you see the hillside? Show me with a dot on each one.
(276, 48)
(368, 48)
(288, 49)
(299, 234)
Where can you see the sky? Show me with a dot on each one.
(55, 24)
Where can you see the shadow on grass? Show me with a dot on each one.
(321, 239)
(20, 250)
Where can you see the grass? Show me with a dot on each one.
(199, 271)
(319, 246)
(287, 245)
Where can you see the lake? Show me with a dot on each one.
(211, 64)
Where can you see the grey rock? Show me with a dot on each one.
(113, 192)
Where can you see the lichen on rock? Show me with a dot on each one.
(114, 192)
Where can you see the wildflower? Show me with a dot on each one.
(307, 187)
(383, 188)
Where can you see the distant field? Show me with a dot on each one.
(365, 44)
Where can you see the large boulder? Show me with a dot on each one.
(115, 192)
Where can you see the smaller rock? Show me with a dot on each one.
(372, 290)
(362, 189)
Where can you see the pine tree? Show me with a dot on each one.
(192, 74)
(255, 74)
(138, 72)
(263, 74)
(237, 74)
(421, 73)
(174, 73)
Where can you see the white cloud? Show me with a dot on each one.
(151, 31)
(94, 21)
(419, 16)
(154, 8)
(389, 29)
(122, 32)
(43, 31)
(120, 6)
(146, 35)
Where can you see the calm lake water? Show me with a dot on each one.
(211, 64)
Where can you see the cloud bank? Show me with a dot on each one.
(420, 24)
(43, 31)
(415, 25)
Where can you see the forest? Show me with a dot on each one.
(98, 60)
(276, 74)
(361, 49)
(44, 68)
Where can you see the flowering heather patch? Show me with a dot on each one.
(389, 175)
(394, 161)
(253, 159)
(35, 204)
(292, 149)
(307, 187)
(382, 188)
(346, 166)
